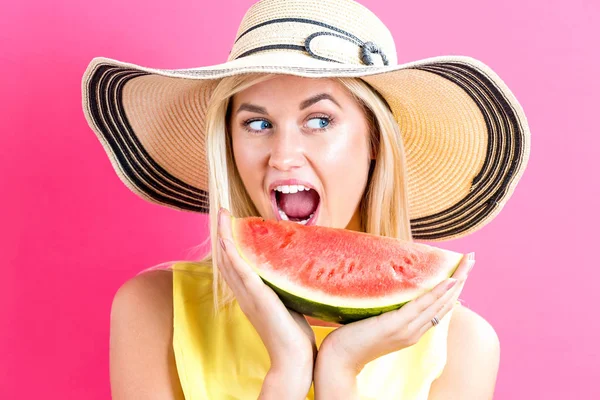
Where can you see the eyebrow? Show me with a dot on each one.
(315, 99)
(252, 108)
(306, 103)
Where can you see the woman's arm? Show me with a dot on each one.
(142, 364)
(279, 385)
(473, 359)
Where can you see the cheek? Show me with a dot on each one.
(347, 150)
(345, 163)
(246, 158)
(250, 163)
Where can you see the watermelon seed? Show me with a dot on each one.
(286, 242)
(320, 272)
(398, 268)
(308, 265)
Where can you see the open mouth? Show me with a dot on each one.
(296, 203)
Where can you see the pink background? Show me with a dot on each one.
(73, 233)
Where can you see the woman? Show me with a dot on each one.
(430, 150)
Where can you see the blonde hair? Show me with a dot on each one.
(384, 207)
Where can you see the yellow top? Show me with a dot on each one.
(222, 357)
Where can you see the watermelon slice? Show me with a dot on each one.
(339, 275)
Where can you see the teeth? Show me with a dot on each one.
(285, 218)
(306, 220)
(283, 215)
(291, 188)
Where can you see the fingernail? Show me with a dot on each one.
(222, 243)
(471, 264)
(471, 256)
(451, 283)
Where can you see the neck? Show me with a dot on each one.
(354, 224)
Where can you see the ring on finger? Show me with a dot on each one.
(435, 320)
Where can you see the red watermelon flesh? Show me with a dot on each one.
(337, 274)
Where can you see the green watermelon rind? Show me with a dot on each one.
(333, 313)
(327, 312)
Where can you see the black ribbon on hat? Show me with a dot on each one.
(368, 50)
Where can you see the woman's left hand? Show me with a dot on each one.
(346, 350)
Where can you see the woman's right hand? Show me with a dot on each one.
(286, 334)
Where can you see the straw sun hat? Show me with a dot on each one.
(466, 137)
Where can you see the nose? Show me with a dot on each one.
(287, 149)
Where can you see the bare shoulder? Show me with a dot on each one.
(471, 329)
(155, 287)
(473, 358)
(142, 364)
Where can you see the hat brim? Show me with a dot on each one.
(466, 137)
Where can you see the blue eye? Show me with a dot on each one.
(320, 123)
(258, 125)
